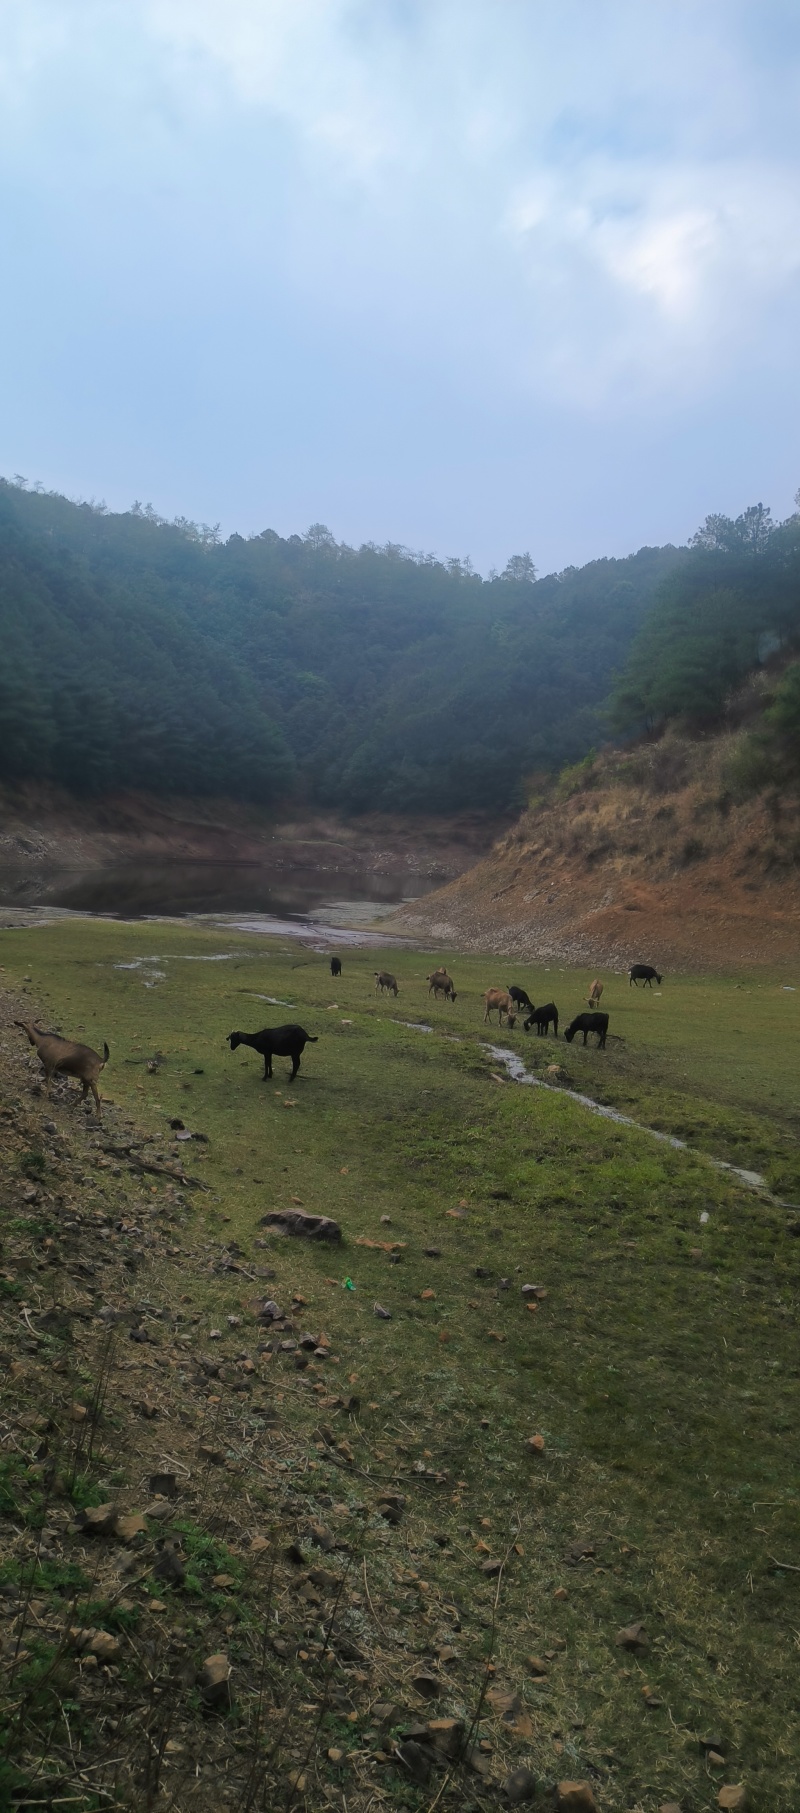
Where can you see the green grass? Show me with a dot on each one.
(661, 1368)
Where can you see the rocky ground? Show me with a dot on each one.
(211, 1586)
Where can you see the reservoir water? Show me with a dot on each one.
(144, 888)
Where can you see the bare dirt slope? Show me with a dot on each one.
(651, 858)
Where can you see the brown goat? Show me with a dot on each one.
(62, 1055)
(439, 983)
(499, 1000)
(595, 992)
(385, 982)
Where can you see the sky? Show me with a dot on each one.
(477, 276)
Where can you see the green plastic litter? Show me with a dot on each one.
(349, 1285)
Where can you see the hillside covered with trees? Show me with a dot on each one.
(140, 654)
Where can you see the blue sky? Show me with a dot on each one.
(478, 276)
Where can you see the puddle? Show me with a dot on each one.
(516, 1070)
(274, 1000)
(415, 1025)
(144, 965)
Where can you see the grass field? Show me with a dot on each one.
(661, 1368)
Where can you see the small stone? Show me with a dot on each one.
(537, 1665)
(97, 1520)
(714, 1759)
(105, 1647)
(560, 1594)
(128, 1527)
(536, 1444)
(634, 1638)
(733, 1798)
(491, 1567)
(214, 1681)
(78, 1413)
(223, 1581)
(575, 1797)
(670, 1806)
(519, 1787)
(427, 1684)
(384, 1314)
(335, 1756)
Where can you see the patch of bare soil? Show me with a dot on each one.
(651, 859)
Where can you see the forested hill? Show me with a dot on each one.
(143, 654)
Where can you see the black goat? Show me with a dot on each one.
(336, 966)
(541, 1018)
(643, 972)
(520, 999)
(587, 1023)
(275, 1042)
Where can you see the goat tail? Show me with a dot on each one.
(313, 1038)
(106, 1054)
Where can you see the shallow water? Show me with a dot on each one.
(516, 1070)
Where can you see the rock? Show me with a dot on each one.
(97, 1520)
(491, 1567)
(634, 1638)
(415, 1760)
(335, 1756)
(214, 1682)
(733, 1797)
(715, 1759)
(391, 1506)
(478, 1764)
(519, 1786)
(428, 1685)
(506, 1705)
(447, 1735)
(670, 1806)
(384, 1314)
(536, 1444)
(713, 1743)
(128, 1526)
(575, 1797)
(105, 1647)
(299, 1224)
(78, 1413)
(164, 1485)
(537, 1666)
(560, 1594)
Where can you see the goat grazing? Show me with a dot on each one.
(595, 992)
(643, 972)
(384, 983)
(276, 1042)
(587, 1023)
(498, 1000)
(439, 983)
(62, 1057)
(336, 966)
(520, 999)
(542, 1018)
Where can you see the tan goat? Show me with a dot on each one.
(498, 1000)
(595, 992)
(62, 1055)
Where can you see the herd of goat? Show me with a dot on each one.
(63, 1057)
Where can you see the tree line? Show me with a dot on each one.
(143, 654)
(151, 655)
